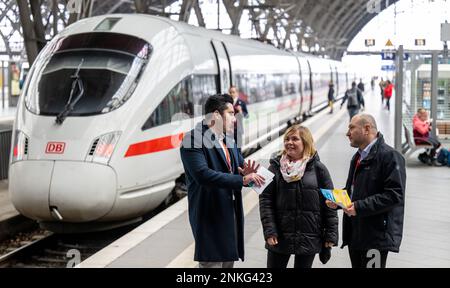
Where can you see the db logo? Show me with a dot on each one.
(55, 148)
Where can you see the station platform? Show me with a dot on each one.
(166, 240)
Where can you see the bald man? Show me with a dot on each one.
(373, 223)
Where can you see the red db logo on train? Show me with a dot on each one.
(55, 148)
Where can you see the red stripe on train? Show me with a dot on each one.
(155, 145)
(288, 104)
(174, 141)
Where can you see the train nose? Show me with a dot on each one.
(79, 191)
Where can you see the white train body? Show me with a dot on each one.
(114, 156)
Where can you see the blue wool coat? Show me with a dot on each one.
(211, 190)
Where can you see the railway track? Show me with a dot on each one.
(60, 250)
(44, 249)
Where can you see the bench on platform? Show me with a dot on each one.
(410, 146)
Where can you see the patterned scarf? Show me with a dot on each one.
(292, 170)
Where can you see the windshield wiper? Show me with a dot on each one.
(76, 82)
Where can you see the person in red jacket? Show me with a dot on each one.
(388, 93)
(421, 132)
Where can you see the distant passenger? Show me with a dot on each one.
(354, 100)
(294, 215)
(389, 87)
(241, 112)
(331, 96)
(382, 85)
(372, 83)
(215, 174)
(373, 223)
(421, 131)
(361, 85)
(15, 84)
(361, 88)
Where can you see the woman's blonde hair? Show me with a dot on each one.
(307, 139)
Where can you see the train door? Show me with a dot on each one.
(346, 81)
(300, 88)
(223, 65)
(337, 82)
(311, 86)
(331, 75)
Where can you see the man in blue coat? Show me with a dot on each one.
(215, 174)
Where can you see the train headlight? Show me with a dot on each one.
(20, 148)
(103, 147)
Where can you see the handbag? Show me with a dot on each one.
(325, 254)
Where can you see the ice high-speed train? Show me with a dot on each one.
(96, 141)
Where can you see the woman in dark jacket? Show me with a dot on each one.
(293, 212)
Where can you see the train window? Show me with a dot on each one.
(105, 41)
(187, 97)
(203, 86)
(241, 82)
(107, 24)
(178, 100)
(91, 81)
(256, 88)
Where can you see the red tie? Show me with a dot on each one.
(227, 155)
(358, 162)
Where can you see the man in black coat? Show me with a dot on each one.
(214, 179)
(354, 99)
(361, 85)
(373, 223)
(362, 89)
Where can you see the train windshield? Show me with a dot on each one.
(88, 80)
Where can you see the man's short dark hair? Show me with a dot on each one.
(217, 103)
(353, 84)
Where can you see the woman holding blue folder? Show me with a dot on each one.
(294, 216)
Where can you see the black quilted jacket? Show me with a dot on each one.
(296, 212)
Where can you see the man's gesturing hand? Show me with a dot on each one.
(249, 167)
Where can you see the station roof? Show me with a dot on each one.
(331, 24)
(127, 6)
